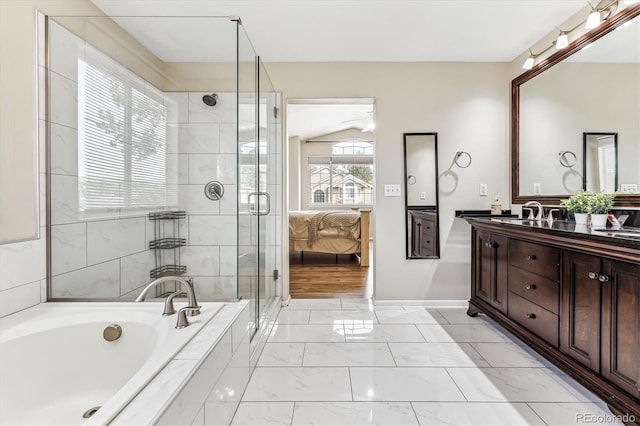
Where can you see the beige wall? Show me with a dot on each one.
(468, 105)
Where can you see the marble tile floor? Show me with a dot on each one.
(348, 362)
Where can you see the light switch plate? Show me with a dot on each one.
(537, 188)
(629, 188)
(391, 190)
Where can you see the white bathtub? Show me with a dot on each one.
(55, 363)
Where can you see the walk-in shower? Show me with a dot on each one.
(136, 134)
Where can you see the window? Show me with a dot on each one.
(345, 177)
(348, 191)
(318, 196)
(123, 161)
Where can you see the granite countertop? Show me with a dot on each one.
(624, 235)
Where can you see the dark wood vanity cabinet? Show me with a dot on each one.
(490, 283)
(574, 300)
(423, 233)
(601, 301)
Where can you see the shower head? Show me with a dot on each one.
(210, 100)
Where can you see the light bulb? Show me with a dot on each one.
(562, 41)
(528, 64)
(593, 20)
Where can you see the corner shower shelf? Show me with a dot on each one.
(166, 270)
(167, 243)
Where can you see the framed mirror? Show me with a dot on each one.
(600, 168)
(591, 86)
(421, 195)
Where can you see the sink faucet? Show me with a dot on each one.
(537, 205)
(191, 295)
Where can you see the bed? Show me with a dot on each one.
(336, 232)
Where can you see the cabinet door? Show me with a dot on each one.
(580, 324)
(491, 269)
(500, 246)
(621, 324)
(416, 234)
(483, 261)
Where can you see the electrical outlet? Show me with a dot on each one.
(537, 188)
(423, 195)
(391, 190)
(483, 189)
(629, 188)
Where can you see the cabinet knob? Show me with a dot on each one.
(603, 278)
(490, 245)
(593, 275)
(531, 287)
(531, 257)
(532, 316)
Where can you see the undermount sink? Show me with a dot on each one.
(633, 231)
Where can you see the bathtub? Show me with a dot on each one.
(55, 364)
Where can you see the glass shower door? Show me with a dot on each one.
(248, 175)
(268, 191)
(259, 183)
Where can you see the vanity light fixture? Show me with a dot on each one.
(563, 40)
(528, 63)
(594, 19)
(631, 1)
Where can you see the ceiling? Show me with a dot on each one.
(347, 30)
(309, 119)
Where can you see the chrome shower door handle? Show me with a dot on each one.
(256, 211)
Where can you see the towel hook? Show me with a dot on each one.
(458, 162)
(566, 160)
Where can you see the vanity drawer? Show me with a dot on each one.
(536, 258)
(539, 290)
(534, 318)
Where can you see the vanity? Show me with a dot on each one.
(572, 294)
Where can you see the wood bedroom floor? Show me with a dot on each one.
(319, 276)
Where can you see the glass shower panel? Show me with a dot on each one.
(268, 185)
(249, 196)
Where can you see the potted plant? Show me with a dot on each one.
(601, 203)
(580, 205)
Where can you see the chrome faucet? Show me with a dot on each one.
(168, 309)
(537, 205)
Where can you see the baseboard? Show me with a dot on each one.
(433, 304)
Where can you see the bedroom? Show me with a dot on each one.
(331, 186)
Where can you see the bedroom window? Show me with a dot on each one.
(344, 177)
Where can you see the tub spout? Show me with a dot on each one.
(186, 283)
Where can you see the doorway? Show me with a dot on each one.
(330, 174)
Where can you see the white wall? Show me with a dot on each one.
(468, 105)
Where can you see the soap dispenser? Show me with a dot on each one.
(496, 207)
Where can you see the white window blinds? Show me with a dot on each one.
(122, 144)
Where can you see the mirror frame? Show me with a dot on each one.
(407, 230)
(622, 200)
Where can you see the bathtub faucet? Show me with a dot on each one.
(186, 283)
